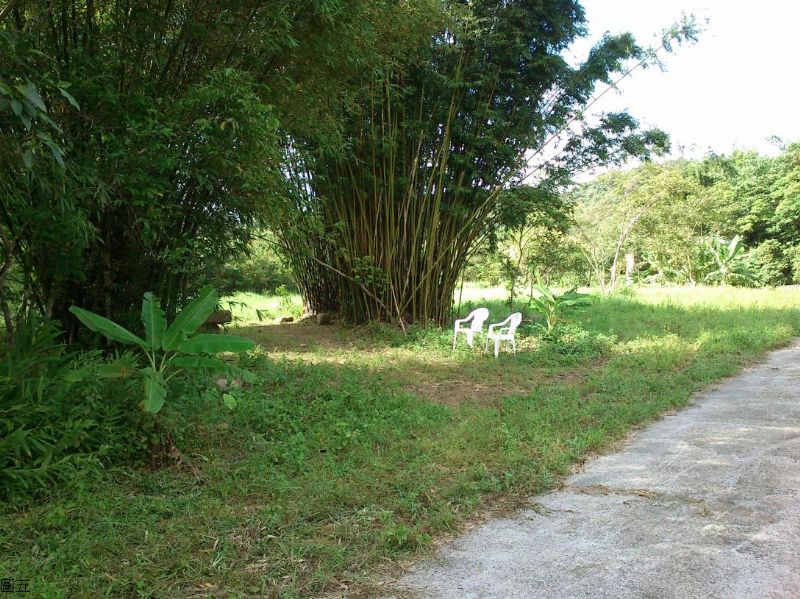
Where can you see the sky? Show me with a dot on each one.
(735, 88)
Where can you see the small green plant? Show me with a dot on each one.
(731, 265)
(551, 305)
(170, 349)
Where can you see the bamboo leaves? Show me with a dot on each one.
(435, 140)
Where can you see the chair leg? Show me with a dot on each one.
(469, 338)
(496, 347)
(514, 345)
(455, 334)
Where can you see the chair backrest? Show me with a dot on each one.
(513, 322)
(478, 316)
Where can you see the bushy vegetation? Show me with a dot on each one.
(262, 269)
(721, 219)
(167, 350)
(61, 421)
(59, 415)
(369, 155)
(143, 149)
(368, 446)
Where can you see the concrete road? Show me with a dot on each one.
(705, 503)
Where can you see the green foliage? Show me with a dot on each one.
(434, 141)
(54, 427)
(731, 264)
(771, 266)
(327, 469)
(37, 216)
(552, 305)
(174, 157)
(622, 212)
(668, 216)
(168, 349)
(793, 257)
(261, 269)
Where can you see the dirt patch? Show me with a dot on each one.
(301, 337)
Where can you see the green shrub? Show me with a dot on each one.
(731, 264)
(771, 265)
(260, 269)
(169, 349)
(51, 425)
(551, 306)
(793, 258)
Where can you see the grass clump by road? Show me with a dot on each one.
(358, 447)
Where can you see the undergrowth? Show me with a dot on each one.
(321, 472)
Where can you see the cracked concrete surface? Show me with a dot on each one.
(705, 503)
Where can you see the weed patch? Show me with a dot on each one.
(329, 465)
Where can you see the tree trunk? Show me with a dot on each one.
(629, 264)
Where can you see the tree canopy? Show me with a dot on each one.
(385, 227)
(679, 219)
(144, 143)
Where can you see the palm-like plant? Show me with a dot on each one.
(730, 263)
(169, 349)
(551, 305)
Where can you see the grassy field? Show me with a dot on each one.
(360, 447)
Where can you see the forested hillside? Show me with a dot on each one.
(732, 219)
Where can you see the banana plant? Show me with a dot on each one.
(551, 305)
(169, 349)
(732, 266)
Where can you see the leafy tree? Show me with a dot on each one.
(672, 216)
(529, 220)
(792, 255)
(670, 241)
(771, 264)
(262, 268)
(757, 198)
(613, 210)
(785, 192)
(175, 155)
(436, 138)
(38, 221)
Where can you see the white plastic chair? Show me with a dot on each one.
(505, 332)
(477, 318)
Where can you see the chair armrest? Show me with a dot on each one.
(500, 324)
